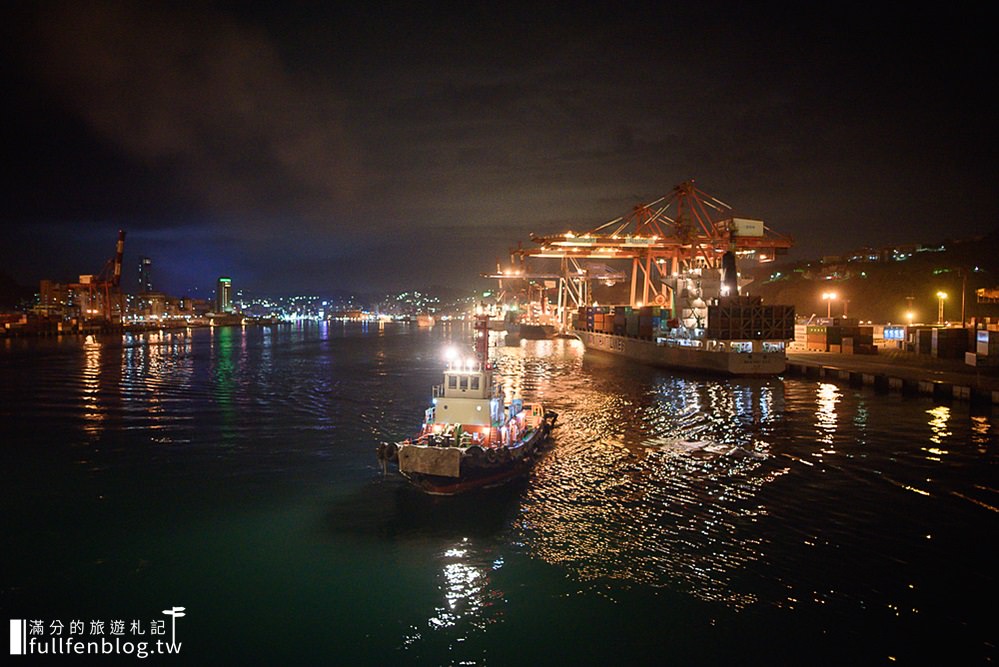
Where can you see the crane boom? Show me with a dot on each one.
(683, 230)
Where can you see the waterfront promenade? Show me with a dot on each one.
(907, 372)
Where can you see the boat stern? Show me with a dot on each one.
(423, 460)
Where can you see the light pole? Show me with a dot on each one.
(941, 296)
(828, 297)
(964, 288)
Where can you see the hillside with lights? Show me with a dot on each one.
(886, 285)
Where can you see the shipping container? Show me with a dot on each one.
(987, 343)
(924, 341)
(949, 343)
(747, 318)
(746, 227)
(981, 360)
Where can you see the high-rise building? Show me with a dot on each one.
(223, 295)
(145, 275)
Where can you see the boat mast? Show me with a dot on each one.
(482, 339)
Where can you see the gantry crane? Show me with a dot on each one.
(529, 289)
(103, 289)
(686, 229)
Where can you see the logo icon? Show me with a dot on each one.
(174, 613)
(18, 636)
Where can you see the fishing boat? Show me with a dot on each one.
(469, 438)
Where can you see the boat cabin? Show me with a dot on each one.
(467, 396)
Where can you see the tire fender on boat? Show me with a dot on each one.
(391, 451)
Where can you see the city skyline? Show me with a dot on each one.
(279, 145)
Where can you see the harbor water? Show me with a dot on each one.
(676, 518)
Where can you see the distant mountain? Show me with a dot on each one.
(880, 291)
(12, 295)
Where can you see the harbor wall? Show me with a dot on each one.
(909, 384)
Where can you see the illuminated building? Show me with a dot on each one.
(53, 299)
(145, 275)
(223, 295)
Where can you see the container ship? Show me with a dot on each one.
(708, 327)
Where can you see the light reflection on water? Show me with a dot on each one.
(827, 395)
(939, 416)
(468, 598)
(980, 431)
(93, 413)
(653, 487)
(685, 482)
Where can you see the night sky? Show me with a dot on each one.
(304, 148)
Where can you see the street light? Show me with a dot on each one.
(909, 315)
(828, 297)
(941, 296)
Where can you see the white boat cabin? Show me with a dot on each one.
(467, 396)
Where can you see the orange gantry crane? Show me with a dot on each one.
(101, 293)
(684, 230)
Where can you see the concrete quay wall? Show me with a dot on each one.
(910, 377)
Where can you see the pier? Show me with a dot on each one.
(905, 372)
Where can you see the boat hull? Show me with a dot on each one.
(536, 331)
(461, 471)
(686, 358)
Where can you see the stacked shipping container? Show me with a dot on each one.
(746, 318)
(643, 322)
(845, 335)
(986, 349)
(948, 343)
(731, 318)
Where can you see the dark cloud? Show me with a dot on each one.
(204, 98)
(350, 145)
